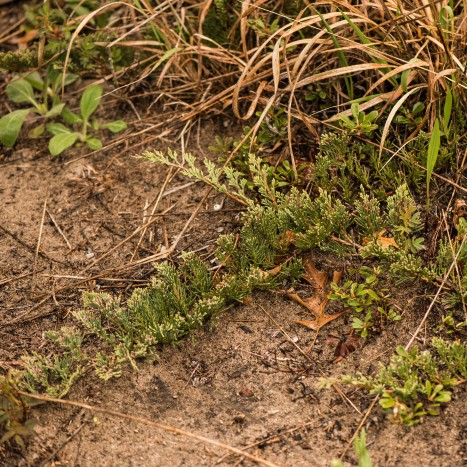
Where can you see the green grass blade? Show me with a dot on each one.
(342, 58)
(366, 41)
(433, 151)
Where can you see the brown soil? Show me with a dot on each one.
(242, 382)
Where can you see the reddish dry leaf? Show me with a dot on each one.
(23, 41)
(316, 304)
(344, 346)
(386, 242)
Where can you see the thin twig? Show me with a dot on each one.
(40, 236)
(168, 178)
(435, 298)
(367, 414)
(60, 231)
(125, 240)
(52, 456)
(145, 421)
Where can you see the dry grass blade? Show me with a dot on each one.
(392, 114)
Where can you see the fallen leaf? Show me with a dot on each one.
(316, 304)
(386, 242)
(23, 41)
(345, 345)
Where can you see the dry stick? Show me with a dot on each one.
(12, 279)
(432, 304)
(52, 218)
(125, 240)
(168, 178)
(285, 333)
(161, 426)
(367, 413)
(40, 237)
(149, 259)
(52, 456)
(335, 387)
(458, 275)
(20, 317)
(273, 438)
(29, 247)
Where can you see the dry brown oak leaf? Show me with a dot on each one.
(316, 304)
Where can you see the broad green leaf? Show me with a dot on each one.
(443, 396)
(21, 92)
(55, 111)
(35, 80)
(116, 126)
(418, 107)
(94, 143)
(10, 126)
(58, 129)
(90, 100)
(433, 151)
(69, 79)
(61, 142)
(70, 117)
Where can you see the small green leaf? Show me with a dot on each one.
(116, 126)
(90, 100)
(10, 126)
(418, 107)
(94, 143)
(58, 129)
(428, 388)
(355, 110)
(443, 396)
(387, 402)
(69, 79)
(55, 111)
(371, 116)
(61, 142)
(402, 352)
(70, 117)
(21, 92)
(37, 131)
(35, 80)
